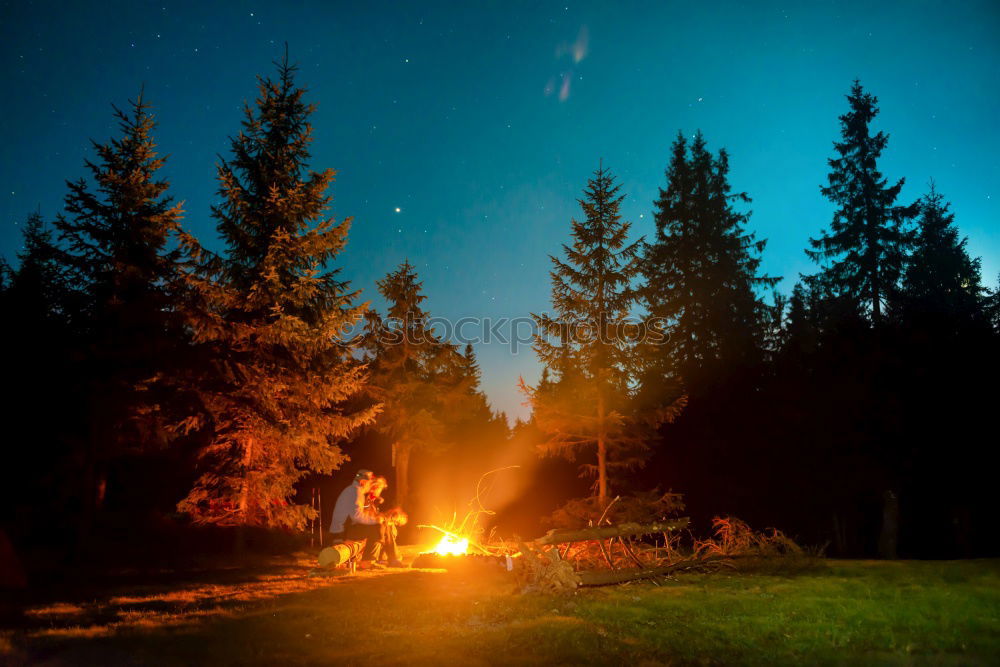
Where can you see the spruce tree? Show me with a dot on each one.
(701, 276)
(40, 289)
(119, 235)
(272, 317)
(43, 364)
(864, 251)
(993, 307)
(475, 420)
(585, 344)
(941, 278)
(423, 381)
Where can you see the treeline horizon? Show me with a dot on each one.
(160, 382)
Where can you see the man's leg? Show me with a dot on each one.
(370, 534)
(389, 544)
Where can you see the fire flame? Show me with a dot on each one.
(451, 546)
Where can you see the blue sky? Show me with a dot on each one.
(481, 121)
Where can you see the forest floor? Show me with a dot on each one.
(904, 612)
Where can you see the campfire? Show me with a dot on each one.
(451, 545)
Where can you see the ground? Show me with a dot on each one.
(283, 613)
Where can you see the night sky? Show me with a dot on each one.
(462, 134)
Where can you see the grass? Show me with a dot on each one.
(843, 612)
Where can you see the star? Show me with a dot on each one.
(398, 209)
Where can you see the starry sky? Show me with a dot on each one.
(463, 132)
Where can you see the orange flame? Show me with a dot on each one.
(451, 546)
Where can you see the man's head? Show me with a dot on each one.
(364, 478)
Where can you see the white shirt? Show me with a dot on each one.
(350, 505)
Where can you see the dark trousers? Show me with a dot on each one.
(371, 534)
(388, 538)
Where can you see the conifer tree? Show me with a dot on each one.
(702, 275)
(476, 418)
(864, 251)
(42, 362)
(423, 381)
(39, 289)
(273, 318)
(585, 344)
(993, 307)
(120, 234)
(941, 278)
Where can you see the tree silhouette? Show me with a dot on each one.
(701, 276)
(119, 250)
(941, 278)
(586, 344)
(864, 251)
(423, 381)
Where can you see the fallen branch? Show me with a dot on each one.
(608, 578)
(604, 532)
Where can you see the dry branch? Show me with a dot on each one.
(604, 532)
(610, 577)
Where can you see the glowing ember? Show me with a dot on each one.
(451, 546)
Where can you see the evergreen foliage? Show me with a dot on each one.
(272, 318)
(864, 251)
(146, 368)
(941, 278)
(426, 384)
(119, 258)
(702, 275)
(587, 344)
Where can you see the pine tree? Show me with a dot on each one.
(39, 289)
(120, 235)
(476, 419)
(585, 345)
(864, 251)
(42, 362)
(993, 307)
(941, 278)
(273, 318)
(702, 275)
(423, 381)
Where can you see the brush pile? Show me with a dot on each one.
(564, 560)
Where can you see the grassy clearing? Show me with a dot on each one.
(844, 612)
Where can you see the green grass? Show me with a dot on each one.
(843, 612)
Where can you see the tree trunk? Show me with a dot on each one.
(245, 485)
(402, 474)
(602, 454)
(839, 535)
(240, 537)
(889, 537)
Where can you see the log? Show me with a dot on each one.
(340, 553)
(611, 577)
(604, 532)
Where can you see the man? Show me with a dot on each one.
(390, 521)
(353, 521)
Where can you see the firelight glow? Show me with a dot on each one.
(451, 546)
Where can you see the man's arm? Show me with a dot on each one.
(359, 515)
